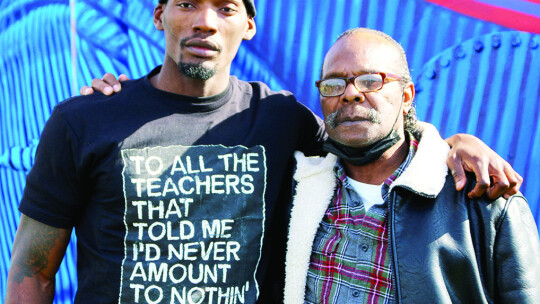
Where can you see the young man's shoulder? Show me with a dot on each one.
(99, 101)
(280, 101)
(262, 91)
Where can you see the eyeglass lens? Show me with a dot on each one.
(363, 83)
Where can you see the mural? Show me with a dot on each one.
(476, 65)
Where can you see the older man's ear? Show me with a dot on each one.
(408, 97)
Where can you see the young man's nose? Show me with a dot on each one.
(206, 20)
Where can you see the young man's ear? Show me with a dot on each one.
(251, 30)
(408, 97)
(158, 15)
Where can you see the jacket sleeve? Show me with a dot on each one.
(517, 254)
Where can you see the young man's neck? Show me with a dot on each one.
(377, 172)
(170, 79)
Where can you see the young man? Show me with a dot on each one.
(178, 187)
(379, 219)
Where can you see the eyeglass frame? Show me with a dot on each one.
(349, 80)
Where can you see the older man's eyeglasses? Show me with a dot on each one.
(365, 83)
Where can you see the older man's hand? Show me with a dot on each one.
(494, 175)
(106, 85)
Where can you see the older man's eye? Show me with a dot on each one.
(332, 87)
(369, 82)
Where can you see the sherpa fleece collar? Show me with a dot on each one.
(425, 175)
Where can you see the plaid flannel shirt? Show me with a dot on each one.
(350, 261)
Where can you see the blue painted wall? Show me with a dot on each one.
(473, 76)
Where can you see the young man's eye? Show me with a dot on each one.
(229, 9)
(185, 5)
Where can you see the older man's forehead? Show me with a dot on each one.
(359, 53)
(361, 42)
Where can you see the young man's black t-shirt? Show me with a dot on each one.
(174, 199)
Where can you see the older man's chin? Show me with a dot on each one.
(355, 142)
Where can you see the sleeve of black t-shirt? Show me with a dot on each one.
(313, 133)
(52, 195)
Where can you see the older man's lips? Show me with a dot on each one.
(352, 121)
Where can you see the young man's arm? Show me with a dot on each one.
(494, 175)
(38, 250)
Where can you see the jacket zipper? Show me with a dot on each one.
(393, 253)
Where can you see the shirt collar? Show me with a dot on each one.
(341, 175)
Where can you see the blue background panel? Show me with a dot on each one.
(472, 76)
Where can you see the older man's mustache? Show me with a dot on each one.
(372, 115)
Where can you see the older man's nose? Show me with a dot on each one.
(352, 94)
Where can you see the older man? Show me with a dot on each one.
(379, 219)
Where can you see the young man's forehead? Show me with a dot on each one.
(248, 4)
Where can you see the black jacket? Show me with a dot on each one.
(445, 247)
(451, 249)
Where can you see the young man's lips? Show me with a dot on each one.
(201, 51)
(202, 48)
